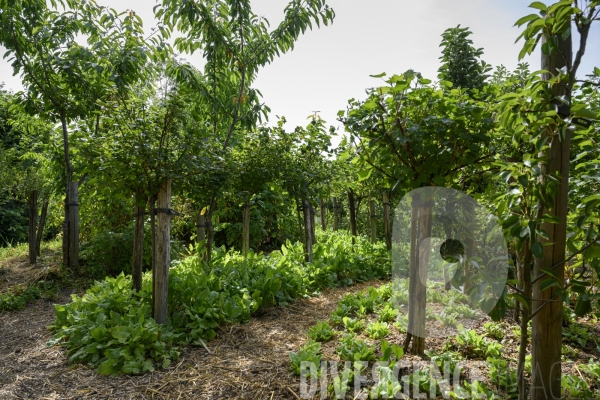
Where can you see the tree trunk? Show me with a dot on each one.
(524, 262)
(322, 210)
(336, 214)
(33, 195)
(373, 219)
(246, 229)
(420, 289)
(163, 252)
(547, 323)
(73, 225)
(352, 214)
(308, 242)
(386, 221)
(40, 230)
(201, 234)
(138, 239)
(152, 211)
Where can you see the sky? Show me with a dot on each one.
(332, 64)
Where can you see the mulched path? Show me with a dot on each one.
(249, 361)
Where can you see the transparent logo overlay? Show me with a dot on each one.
(449, 262)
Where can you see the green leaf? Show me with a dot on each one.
(583, 306)
(585, 113)
(539, 5)
(526, 18)
(381, 75)
(537, 249)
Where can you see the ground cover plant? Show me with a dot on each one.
(493, 345)
(110, 327)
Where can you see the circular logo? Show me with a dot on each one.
(449, 262)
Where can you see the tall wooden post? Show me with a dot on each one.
(41, 225)
(469, 245)
(352, 214)
(163, 252)
(323, 214)
(386, 221)
(373, 220)
(336, 214)
(308, 231)
(152, 211)
(138, 239)
(313, 234)
(420, 289)
(74, 225)
(547, 323)
(33, 195)
(246, 229)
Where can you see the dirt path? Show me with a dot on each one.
(246, 361)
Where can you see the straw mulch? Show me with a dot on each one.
(248, 361)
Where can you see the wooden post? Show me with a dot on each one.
(299, 211)
(308, 243)
(373, 220)
(469, 245)
(33, 195)
(163, 251)
(201, 225)
(386, 221)
(313, 235)
(352, 214)
(547, 323)
(322, 210)
(41, 225)
(74, 225)
(420, 288)
(413, 272)
(336, 214)
(246, 229)
(138, 239)
(201, 234)
(152, 211)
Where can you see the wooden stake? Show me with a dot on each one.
(41, 225)
(73, 225)
(163, 252)
(138, 239)
(33, 195)
(322, 209)
(373, 220)
(246, 229)
(386, 221)
(308, 244)
(336, 214)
